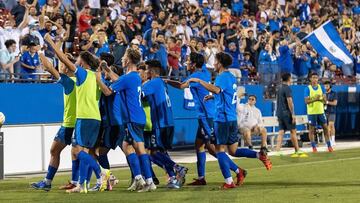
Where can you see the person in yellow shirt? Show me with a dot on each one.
(315, 98)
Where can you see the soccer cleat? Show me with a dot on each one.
(266, 161)
(294, 155)
(314, 150)
(181, 172)
(96, 188)
(78, 189)
(330, 149)
(41, 185)
(240, 177)
(105, 176)
(279, 153)
(196, 182)
(264, 150)
(173, 183)
(68, 186)
(226, 186)
(113, 180)
(156, 181)
(302, 154)
(137, 185)
(148, 188)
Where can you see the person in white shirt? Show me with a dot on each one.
(215, 13)
(250, 122)
(184, 29)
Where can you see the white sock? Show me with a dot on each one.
(149, 181)
(74, 182)
(257, 155)
(201, 177)
(138, 177)
(99, 181)
(237, 171)
(229, 180)
(47, 181)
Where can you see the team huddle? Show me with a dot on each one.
(106, 107)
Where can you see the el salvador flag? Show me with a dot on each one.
(327, 42)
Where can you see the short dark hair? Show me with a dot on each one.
(90, 59)
(224, 59)
(286, 77)
(327, 83)
(197, 59)
(313, 73)
(94, 22)
(109, 58)
(154, 65)
(155, 45)
(252, 95)
(9, 43)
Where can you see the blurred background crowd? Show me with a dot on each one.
(264, 37)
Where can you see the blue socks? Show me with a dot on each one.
(104, 161)
(328, 143)
(89, 174)
(88, 159)
(201, 161)
(134, 164)
(313, 144)
(165, 159)
(158, 161)
(51, 172)
(243, 152)
(84, 167)
(224, 164)
(145, 165)
(75, 171)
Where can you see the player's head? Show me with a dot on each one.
(252, 100)
(154, 67)
(144, 74)
(327, 85)
(286, 78)
(314, 78)
(222, 61)
(196, 61)
(88, 61)
(131, 57)
(108, 58)
(64, 69)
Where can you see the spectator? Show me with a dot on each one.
(184, 29)
(30, 62)
(357, 64)
(234, 68)
(130, 28)
(174, 52)
(246, 68)
(250, 122)
(286, 63)
(302, 64)
(8, 59)
(84, 19)
(118, 48)
(215, 13)
(237, 7)
(101, 45)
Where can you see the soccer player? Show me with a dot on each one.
(155, 92)
(225, 125)
(330, 110)
(129, 87)
(206, 112)
(286, 115)
(112, 130)
(315, 98)
(63, 137)
(87, 116)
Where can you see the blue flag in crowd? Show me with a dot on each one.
(328, 43)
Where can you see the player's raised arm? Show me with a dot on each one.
(62, 57)
(177, 84)
(210, 87)
(48, 66)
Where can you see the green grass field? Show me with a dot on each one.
(323, 177)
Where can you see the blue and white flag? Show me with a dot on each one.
(328, 43)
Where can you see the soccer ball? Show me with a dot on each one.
(2, 118)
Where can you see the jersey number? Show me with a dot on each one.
(168, 102)
(139, 91)
(234, 99)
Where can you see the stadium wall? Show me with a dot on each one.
(34, 113)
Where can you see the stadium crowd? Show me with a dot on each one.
(264, 37)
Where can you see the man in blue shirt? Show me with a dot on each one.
(234, 68)
(133, 115)
(225, 126)
(30, 62)
(155, 92)
(302, 64)
(286, 63)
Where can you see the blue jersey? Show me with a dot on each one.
(205, 108)
(225, 101)
(109, 108)
(129, 88)
(161, 111)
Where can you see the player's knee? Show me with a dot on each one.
(55, 152)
